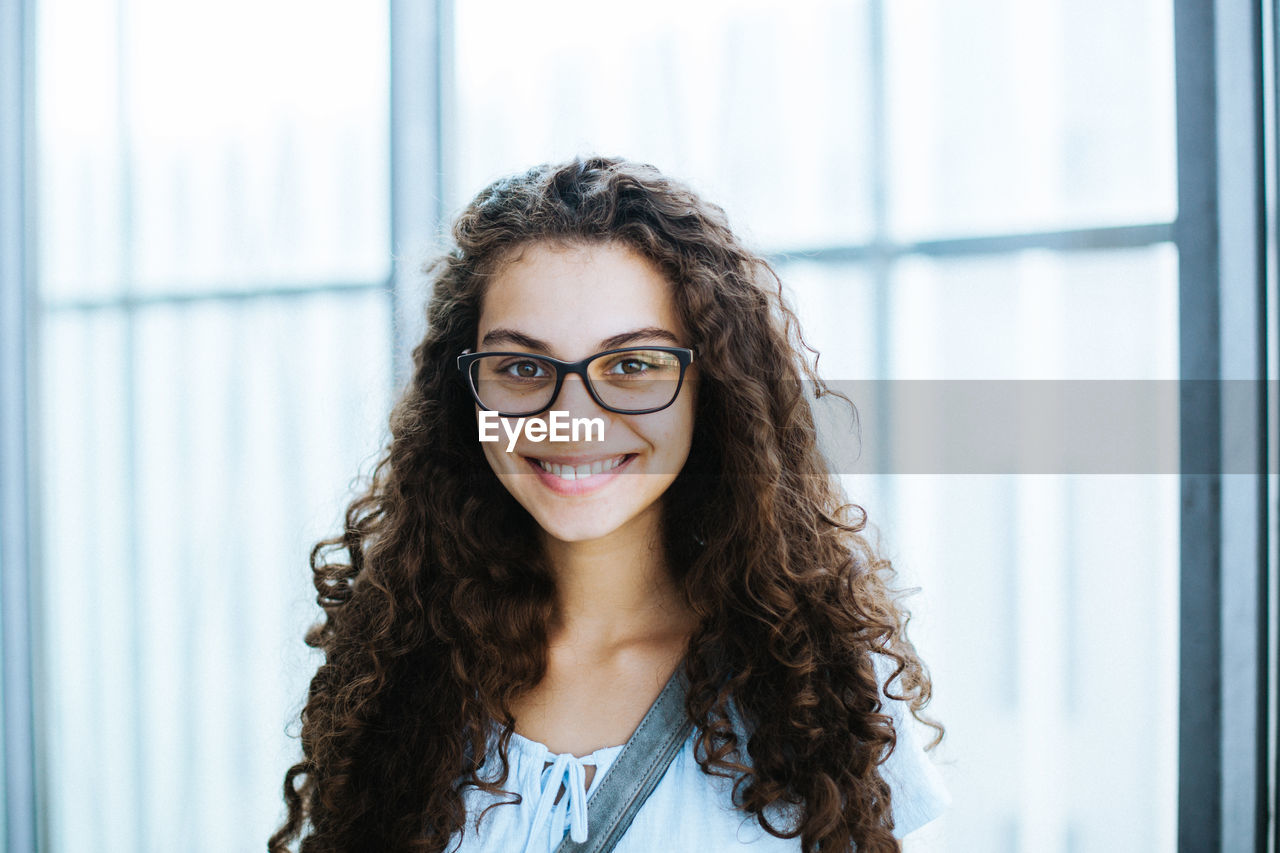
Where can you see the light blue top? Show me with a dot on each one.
(688, 810)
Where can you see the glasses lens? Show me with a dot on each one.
(636, 380)
(513, 384)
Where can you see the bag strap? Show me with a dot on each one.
(637, 769)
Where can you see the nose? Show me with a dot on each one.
(575, 398)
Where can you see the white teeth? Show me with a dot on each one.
(579, 472)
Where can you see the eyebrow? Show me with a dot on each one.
(511, 336)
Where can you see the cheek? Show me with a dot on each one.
(504, 464)
(673, 439)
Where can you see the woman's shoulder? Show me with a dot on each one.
(919, 794)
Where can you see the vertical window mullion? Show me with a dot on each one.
(19, 810)
(420, 35)
(1220, 237)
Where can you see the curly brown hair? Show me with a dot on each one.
(433, 626)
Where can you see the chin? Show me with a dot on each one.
(583, 525)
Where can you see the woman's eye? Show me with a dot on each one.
(629, 367)
(524, 369)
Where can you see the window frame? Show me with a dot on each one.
(1224, 233)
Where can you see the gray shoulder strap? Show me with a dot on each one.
(637, 769)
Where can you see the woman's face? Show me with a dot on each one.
(570, 303)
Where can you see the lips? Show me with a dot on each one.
(574, 477)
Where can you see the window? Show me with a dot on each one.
(209, 244)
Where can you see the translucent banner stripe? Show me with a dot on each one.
(1128, 427)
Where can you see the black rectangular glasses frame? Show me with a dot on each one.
(683, 354)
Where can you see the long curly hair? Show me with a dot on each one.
(433, 626)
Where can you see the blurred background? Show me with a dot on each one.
(226, 206)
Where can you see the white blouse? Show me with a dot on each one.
(688, 810)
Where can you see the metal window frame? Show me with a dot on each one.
(1226, 667)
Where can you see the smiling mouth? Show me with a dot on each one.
(572, 473)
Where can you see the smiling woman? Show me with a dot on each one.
(506, 617)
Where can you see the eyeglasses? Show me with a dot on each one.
(628, 381)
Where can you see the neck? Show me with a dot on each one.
(615, 591)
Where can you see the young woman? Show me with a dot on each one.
(507, 611)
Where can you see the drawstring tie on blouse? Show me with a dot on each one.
(549, 817)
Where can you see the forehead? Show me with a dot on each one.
(574, 297)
